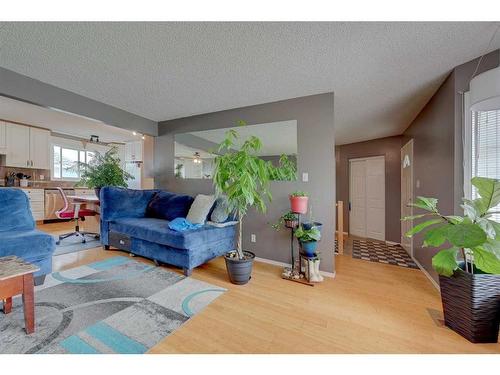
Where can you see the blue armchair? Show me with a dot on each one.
(18, 235)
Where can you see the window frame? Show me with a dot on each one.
(62, 146)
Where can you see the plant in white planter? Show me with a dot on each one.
(469, 266)
(244, 178)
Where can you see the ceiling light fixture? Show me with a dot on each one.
(197, 158)
(485, 87)
(134, 133)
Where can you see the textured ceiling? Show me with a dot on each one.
(382, 73)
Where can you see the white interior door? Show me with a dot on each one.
(357, 209)
(406, 194)
(367, 198)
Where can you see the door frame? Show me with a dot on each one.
(412, 176)
(350, 190)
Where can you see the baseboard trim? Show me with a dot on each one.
(436, 285)
(282, 264)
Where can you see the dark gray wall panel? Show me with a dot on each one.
(315, 118)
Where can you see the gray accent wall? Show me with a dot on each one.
(390, 148)
(20, 87)
(438, 152)
(316, 156)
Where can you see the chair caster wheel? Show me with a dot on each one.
(58, 242)
(84, 241)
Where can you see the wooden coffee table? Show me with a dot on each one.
(16, 277)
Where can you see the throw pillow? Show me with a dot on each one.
(221, 211)
(200, 208)
(168, 206)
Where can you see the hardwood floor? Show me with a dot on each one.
(368, 308)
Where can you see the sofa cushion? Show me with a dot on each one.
(32, 244)
(157, 231)
(168, 206)
(15, 212)
(221, 211)
(200, 208)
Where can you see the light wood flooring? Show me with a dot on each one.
(368, 308)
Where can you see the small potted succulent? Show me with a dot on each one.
(287, 220)
(298, 202)
(308, 239)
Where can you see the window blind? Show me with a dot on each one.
(486, 147)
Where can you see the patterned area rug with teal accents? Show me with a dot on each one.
(117, 305)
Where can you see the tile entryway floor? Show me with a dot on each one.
(381, 252)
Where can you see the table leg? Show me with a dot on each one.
(29, 303)
(7, 305)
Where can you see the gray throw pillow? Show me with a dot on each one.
(200, 208)
(221, 210)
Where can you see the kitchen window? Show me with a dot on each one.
(481, 147)
(65, 162)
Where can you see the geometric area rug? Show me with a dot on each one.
(381, 252)
(117, 305)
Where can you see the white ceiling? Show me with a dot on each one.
(61, 122)
(382, 73)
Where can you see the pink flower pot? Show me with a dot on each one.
(299, 204)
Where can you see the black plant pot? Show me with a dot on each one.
(471, 305)
(240, 270)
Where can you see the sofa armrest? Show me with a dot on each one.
(119, 202)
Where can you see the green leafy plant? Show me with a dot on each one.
(299, 193)
(178, 170)
(288, 216)
(307, 235)
(243, 177)
(103, 170)
(286, 171)
(476, 237)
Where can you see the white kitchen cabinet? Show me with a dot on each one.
(36, 198)
(39, 148)
(3, 137)
(18, 146)
(133, 151)
(27, 147)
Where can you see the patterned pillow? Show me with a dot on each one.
(221, 211)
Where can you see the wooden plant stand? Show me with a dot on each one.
(16, 277)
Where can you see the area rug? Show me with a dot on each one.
(117, 305)
(382, 253)
(74, 244)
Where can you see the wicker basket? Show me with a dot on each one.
(471, 305)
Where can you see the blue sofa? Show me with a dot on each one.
(127, 224)
(18, 235)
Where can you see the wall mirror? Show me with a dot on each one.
(194, 151)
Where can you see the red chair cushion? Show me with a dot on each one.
(81, 213)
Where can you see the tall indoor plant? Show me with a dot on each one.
(469, 266)
(244, 177)
(103, 170)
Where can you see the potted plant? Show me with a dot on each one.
(469, 266)
(311, 223)
(298, 202)
(103, 170)
(287, 220)
(244, 178)
(308, 239)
